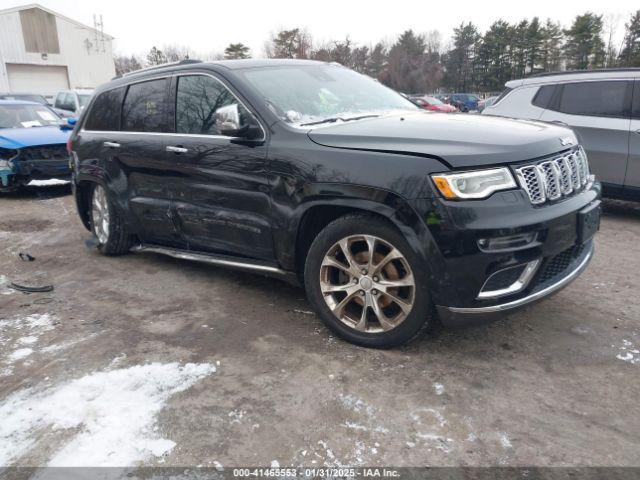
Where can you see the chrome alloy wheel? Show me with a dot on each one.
(100, 214)
(367, 283)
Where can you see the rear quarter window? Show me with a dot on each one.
(145, 107)
(543, 96)
(105, 111)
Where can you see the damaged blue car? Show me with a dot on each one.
(33, 147)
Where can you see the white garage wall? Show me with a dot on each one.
(87, 68)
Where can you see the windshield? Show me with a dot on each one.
(433, 101)
(26, 116)
(304, 94)
(84, 100)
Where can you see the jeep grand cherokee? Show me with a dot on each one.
(391, 217)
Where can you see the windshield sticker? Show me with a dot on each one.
(31, 123)
(46, 115)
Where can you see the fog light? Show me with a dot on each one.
(509, 243)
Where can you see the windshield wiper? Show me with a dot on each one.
(337, 119)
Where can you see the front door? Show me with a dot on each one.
(220, 197)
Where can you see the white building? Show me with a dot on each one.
(43, 52)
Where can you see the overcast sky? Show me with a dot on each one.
(210, 25)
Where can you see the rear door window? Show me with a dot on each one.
(597, 99)
(145, 107)
(105, 111)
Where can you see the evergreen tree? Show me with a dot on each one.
(551, 47)
(156, 57)
(294, 43)
(584, 47)
(460, 60)
(630, 53)
(376, 62)
(535, 36)
(237, 50)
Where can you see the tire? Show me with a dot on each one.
(107, 225)
(373, 312)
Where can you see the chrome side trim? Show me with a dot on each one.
(531, 298)
(522, 282)
(208, 259)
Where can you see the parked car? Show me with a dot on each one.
(73, 101)
(465, 102)
(316, 174)
(433, 104)
(32, 144)
(487, 102)
(603, 109)
(41, 99)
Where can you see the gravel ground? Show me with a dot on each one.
(154, 361)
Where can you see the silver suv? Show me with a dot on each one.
(601, 106)
(73, 102)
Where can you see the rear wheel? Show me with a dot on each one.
(107, 225)
(366, 283)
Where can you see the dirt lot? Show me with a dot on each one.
(146, 359)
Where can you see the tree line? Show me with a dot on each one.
(473, 61)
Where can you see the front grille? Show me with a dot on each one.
(558, 265)
(558, 177)
(44, 152)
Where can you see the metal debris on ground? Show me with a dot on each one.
(25, 257)
(29, 289)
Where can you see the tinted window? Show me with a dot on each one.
(144, 108)
(105, 111)
(636, 100)
(543, 96)
(198, 98)
(599, 99)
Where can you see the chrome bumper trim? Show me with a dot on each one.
(531, 298)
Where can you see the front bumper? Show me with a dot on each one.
(36, 163)
(454, 316)
(460, 269)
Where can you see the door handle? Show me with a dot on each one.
(560, 122)
(176, 149)
(638, 131)
(111, 144)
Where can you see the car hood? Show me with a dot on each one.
(30, 137)
(459, 140)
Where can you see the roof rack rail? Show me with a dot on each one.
(186, 61)
(597, 70)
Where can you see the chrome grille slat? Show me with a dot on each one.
(555, 178)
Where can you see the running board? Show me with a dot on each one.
(226, 261)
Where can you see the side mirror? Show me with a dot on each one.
(68, 123)
(228, 123)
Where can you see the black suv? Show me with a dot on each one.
(391, 217)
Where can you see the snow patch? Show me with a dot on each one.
(439, 388)
(47, 183)
(19, 354)
(629, 353)
(113, 412)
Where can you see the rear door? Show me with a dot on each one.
(632, 179)
(600, 114)
(147, 173)
(221, 195)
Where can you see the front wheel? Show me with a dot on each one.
(366, 283)
(108, 225)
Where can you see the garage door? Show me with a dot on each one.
(43, 79)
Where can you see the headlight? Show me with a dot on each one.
(8, 153)
(475, 184)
